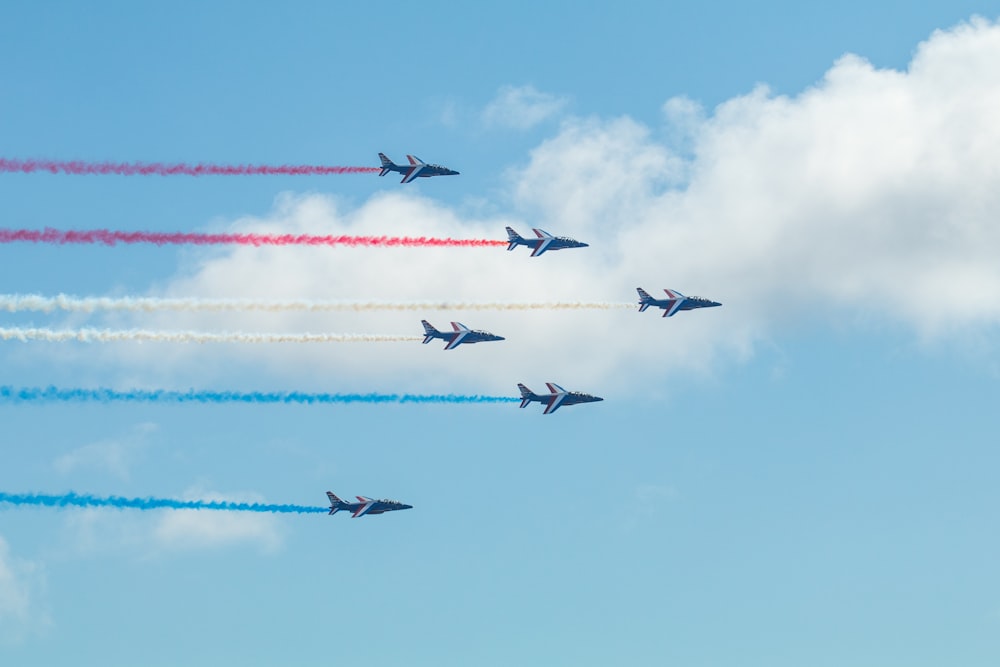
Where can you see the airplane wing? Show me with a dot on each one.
(554, 403)
(413, 172)
(674, 304)
(541, 247)
(368, 504)
(456, 341)
(558, 395)
(461, 331)
(544, 241)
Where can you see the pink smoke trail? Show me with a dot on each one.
(80, 167)
(111, 237)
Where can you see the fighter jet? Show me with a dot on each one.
(545, 241)
(461, 334)
(364, 505)
(555, 400)
(675, 302)
(416, 169)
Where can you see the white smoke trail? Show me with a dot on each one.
(143, 335)
(33, 302)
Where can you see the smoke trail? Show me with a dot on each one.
(110, 237)
(86, 500)
(33, 302)
(79, 167)
(52, 394)
(145, 335)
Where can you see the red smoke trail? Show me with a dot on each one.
(79, 167)
(110, 237)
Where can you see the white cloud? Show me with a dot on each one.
(521, 107)
(114, 456)
(150, 534)
(684, 118)
(870, 197)
(20, 583)
(187, 530)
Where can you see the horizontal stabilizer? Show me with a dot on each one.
(387, 164)
(335, 502)
(430, 333)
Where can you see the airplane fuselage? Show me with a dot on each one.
(542, 243)
(459, 335)
(426, 172)
(676, 302)
(465, 337)
(689, 303)
(555, 400)
(416, 168)
(364, 505)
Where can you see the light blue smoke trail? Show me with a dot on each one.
(51, 394)
(85, 500)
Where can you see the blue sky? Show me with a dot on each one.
(803, 476)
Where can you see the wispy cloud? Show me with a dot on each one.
(187, 530)
(521, 107)
(21, 582)
(116, 456)
(154, 534)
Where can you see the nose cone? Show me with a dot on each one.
(583, 245)
(715, 303)
(595, 399)
(406, 507)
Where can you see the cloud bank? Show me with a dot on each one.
(870, 197)
(20, 581)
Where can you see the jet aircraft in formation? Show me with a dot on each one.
(461, 334)
(416, 169)
(545, 241)
(557, 397)
(675, 301)
(364, 505)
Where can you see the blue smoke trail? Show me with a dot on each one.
(10, 394)
(85, 500)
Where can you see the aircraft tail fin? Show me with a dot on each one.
(335, 502)
(429, 331)
(526, 395)
(644, 299)
(387, 164)
(513, 238)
